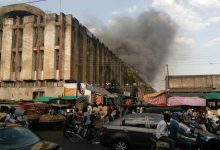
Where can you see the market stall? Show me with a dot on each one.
(34, 112)
(156, 98)
(185, 101)
(212, 100)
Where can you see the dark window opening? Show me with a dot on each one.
(38, 94)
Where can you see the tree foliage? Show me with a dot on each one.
(114, 87)
(129, 78)
(134, 91)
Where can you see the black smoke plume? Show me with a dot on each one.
(141, 42)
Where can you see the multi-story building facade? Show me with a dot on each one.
(192, 85)
(40, 52)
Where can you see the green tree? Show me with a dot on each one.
(114, 87)
(129, 78)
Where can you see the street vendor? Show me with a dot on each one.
(77, 115)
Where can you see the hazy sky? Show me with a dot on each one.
(194, 49)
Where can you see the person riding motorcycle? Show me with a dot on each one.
(162, 132)
(177, 134)
(77, 115)
(10, 117)
(88, 123)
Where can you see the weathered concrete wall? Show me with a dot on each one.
(197, 81)
(27, 71)
(49, 47)
(83, 57)
(6, 52)
(27, 93)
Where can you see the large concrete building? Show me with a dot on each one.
(192, 85)
(40, 52)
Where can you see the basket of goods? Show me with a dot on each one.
(35, 111)
(52, 118)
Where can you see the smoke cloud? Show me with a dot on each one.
(141, 42)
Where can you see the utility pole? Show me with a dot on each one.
(167, 78)
(60, 5)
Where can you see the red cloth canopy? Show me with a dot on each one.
(187, 101)
(158, 98)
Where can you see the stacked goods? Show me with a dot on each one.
(35, 111)
(52, 118)
(100, 112)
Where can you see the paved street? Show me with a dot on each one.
(57, 136)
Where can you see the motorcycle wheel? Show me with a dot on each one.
(65, 132)
(74, 138)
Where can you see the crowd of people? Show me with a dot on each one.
(168, 129)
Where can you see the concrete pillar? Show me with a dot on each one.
(92, 63)
(85, 54)
(6, 49)
(108, 62)
(103, 78)
(98, 66)
(39, 54)
(123, 73)
(102, 64)
(16, 71)
(67, 48)
(120, 72)
(27, 71)
(115, 72)
(88, 62)
(49, 47)
(61, 35)
(114, 69)
(75, 50)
